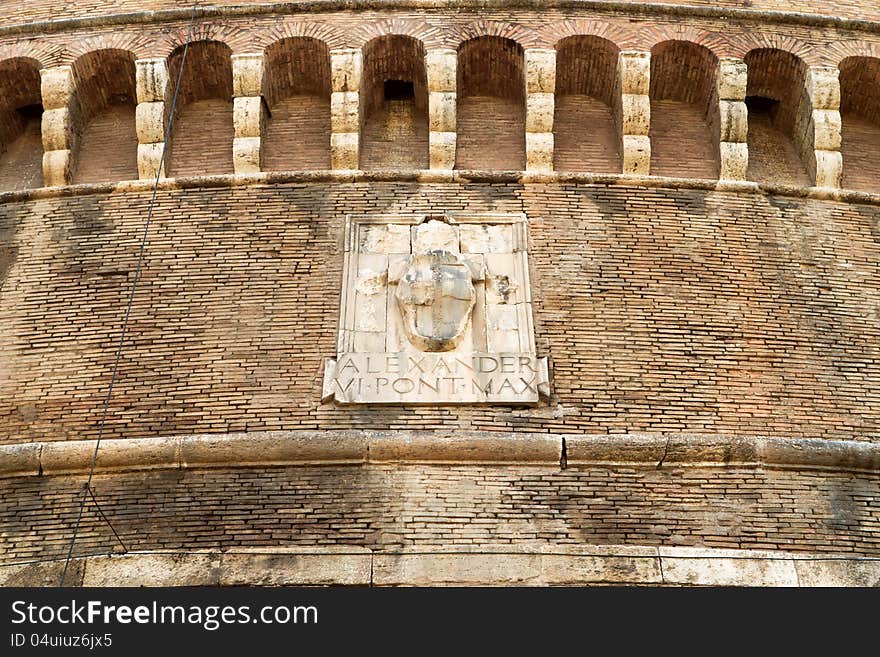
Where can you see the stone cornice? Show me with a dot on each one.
(572, 565)
(295, 448)
(323, 6)
(424, 176)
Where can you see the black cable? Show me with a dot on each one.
(109, 524)
(137, 275)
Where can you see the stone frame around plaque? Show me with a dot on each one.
(436, 309)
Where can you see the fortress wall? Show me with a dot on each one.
(660, 309)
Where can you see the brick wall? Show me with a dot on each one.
(108, 148)
(681, 142)
(389, 507)
(298, 134)
(585, 138)
(34, 10)
(660, 310)
(491, 133)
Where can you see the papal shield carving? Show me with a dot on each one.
(435, 296)
(436, 310)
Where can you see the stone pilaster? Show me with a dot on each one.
(733, 119)
(151, 116)
(346, 72)
(633, 111)
(57, 90)
(823, 127)
(441, 67)
(540, 89)
(249, 114)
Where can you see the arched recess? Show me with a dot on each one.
(21, 110)
(585, 136)
(394, 108)
(106, 98)
(684, 110)
(860, 112)
(773, 98)
(297, 92)
(201, 142)
(491, 105)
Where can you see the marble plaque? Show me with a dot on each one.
(436, 310)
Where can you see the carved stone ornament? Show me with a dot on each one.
(436, 310)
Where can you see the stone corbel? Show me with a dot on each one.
(346, 71)
(151, 116)
(249, 112)
(823, 127)
(633, 111)
(540, 71)
(57, 90)
(733, 122)
(441, 67)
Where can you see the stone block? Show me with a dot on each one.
(829, 168)
(74, 456)
(20, 460)
(149, 158)
(540, 64)
(734, 160)
(719, 571)
(47, 573)
(838, 572)
(734, 119)
(56, 168)
(157, 569)
(151, 80)
(441, 65)
(247, 116)
(442, 150)
(539, 151)
(827, 129)
(823, 85)
(56, 129)
(344, 150)
(270, 448)
(574, 569)
(465, 447)
(634, 71)
(344, 112)
(635, 115)
(636, 155)
(247, 154)
(442, 111)
(247, 74)
(338, 566)
(150, 122)
(56, 87)
(539, 112)
(732, 79)
(346, 69)
(437, 569)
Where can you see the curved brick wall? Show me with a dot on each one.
(661, 309)
(720, 337)
(44, 10)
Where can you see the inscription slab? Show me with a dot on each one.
(436, 310)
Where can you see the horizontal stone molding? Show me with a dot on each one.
(521, 565)
(322, 6)
(440, 176)
(355, 447)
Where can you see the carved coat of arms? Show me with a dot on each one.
(436, 310)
